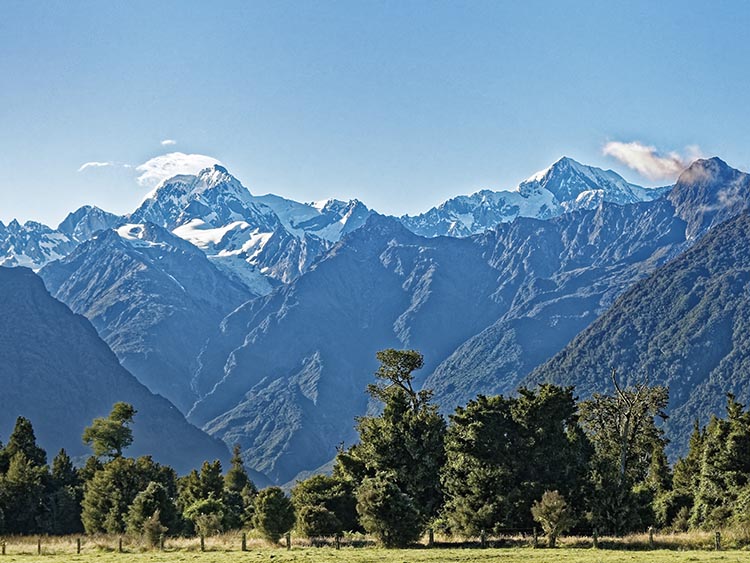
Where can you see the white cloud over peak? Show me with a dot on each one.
(94, 164)
(649, 162)
(168, 142)
(160, 168)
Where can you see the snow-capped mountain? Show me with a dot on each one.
(85, 222)
(260, 241)
(328, 219)
(565, 186)
(32, 244)
(153, 297)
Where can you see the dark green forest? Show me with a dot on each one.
(539, 458)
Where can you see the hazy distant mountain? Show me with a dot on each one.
(56, 371)
(565, 186)
(153, 297)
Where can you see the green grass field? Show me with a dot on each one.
(694, 547)
(374, 555)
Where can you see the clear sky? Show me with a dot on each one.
(401, 104)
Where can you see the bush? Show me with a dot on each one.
(207, 516)
(553, 514)
(153, 529)
(387, 513)
(274, 514)
(317, 522)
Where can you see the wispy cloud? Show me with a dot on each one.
(94, 164)
(649, 161)
(168, 142)
(156, 170)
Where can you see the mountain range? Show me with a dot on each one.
(259, 317)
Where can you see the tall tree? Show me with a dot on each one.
(623, 429)
(406, 440)
(64, 496)
(111, 491)
(109, 436)
(725, 467)
(504, 453)
(23, 440)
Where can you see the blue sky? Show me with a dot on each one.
(401, 104)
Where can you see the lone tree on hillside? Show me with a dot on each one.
(110, 436)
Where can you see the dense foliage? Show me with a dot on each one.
(500, 464)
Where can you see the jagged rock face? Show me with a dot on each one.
(57, 372)
(709, 192)
(685, 326)
(260, 241)
(154, 299)
(82, 224)
(565, 186)
(32, 244)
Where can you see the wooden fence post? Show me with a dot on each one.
(39, 546)
(338, 541)
(161, 542)
(288, 541)
(536, 538)
(482, 539)
(119, 546)
(244, 541)
(78, 546)
(3, 546)
(650, 537)
(718, 541)
(203, 543)
(430, 538)
(596, 539)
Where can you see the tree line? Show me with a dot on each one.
(537, 458)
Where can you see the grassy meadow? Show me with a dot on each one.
(692, 547)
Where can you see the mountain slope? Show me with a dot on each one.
(485, 310)
(685, 326)
(593, 257)
(293, 366)
(57, 372)
(565, 186)
(154, 299)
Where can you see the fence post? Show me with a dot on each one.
(3, 546)
(650, 537)
(161, 542)
(39, 546)
(338, 541)
(119, 545)
(718, 541)
(596, 539)
(536, 538)
(288, 541)
(244, 541)
(482, 539)
(203, 543)
(430, 538)
(78, 546)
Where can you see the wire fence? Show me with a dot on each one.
(242, 541)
